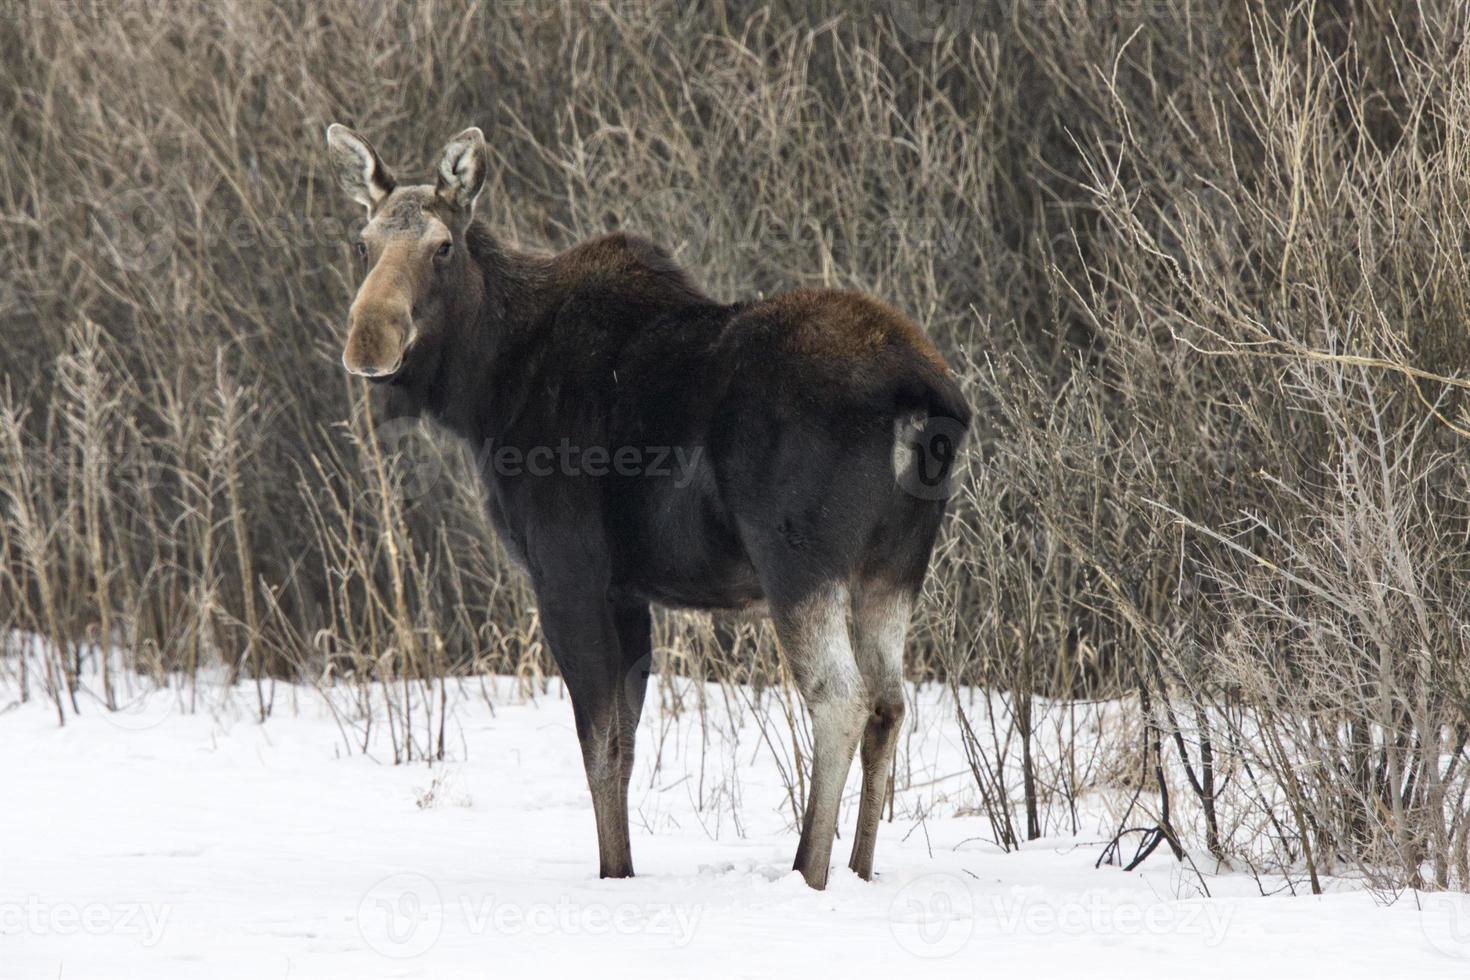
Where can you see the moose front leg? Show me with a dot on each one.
(582, 631)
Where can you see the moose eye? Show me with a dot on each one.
(361, 249)
(443, 250)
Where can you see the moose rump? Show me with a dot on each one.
(830, 429)
(792, 454)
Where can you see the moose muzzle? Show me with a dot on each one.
(377, 336)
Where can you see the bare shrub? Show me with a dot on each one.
(1200, 265)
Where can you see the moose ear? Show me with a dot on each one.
(359, 169)
(462, 170)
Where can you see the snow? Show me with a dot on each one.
(167, 842)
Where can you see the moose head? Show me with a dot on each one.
(419, 275)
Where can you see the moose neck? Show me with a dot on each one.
(457, 382)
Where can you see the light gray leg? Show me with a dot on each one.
(814, 640)
(880, 622)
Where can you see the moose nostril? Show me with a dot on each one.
(369, 371)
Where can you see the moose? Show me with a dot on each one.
(820, 427)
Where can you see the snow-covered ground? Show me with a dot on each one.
(170, 843)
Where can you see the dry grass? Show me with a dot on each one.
(1188, 257)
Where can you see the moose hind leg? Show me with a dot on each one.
(814, 638)
(880, 620)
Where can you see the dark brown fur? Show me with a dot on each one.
(800, 419)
